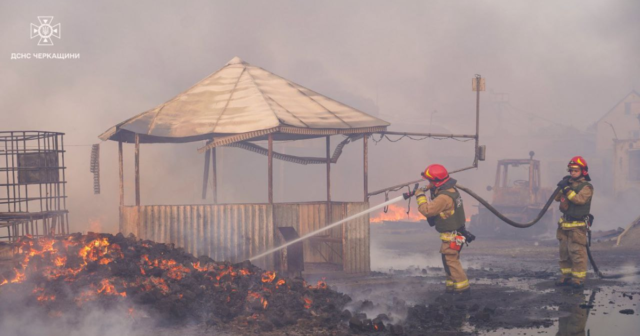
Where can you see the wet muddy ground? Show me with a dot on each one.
(512, 292)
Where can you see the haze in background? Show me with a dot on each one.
(563, 64)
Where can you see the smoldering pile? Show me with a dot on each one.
(66, 275)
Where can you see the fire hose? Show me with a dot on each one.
(410, 194)
(493, 210)
(505, 219)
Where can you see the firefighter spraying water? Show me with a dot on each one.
(446, 213)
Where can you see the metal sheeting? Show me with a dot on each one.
(242, 98)
(357, 257)
(235, 232)
(308, 217)
(223, 232)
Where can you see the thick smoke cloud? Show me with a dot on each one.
(562, 64)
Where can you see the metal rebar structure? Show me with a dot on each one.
(33, 197)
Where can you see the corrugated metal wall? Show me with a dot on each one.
(236, 232)
(308, 217)
(223, 232)
(357, 257)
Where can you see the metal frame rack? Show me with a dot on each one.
(33, 197)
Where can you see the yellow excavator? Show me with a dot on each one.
(517, 193)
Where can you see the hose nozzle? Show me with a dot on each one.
(410, 194)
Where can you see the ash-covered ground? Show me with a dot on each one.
(512, 293)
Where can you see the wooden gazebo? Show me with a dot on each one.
(237, 106)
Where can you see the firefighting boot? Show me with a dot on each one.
(563, 282)
(577, 285)
(463, 292)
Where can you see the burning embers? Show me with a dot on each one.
(63, 275)
(256, 298)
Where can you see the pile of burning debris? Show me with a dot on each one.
(66, 275)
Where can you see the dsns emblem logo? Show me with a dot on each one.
(45, 31)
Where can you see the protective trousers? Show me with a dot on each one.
(456, 278)
(573, 254)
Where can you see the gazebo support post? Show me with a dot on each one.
(121, 171)
(205, 176)
(328, 180)
(137, 169)
(365, 165)
(215, 176)
(270, 164)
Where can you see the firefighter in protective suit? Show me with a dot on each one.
(446, 212)
(573, 226)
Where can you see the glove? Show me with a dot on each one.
(410, 193)
(564, 182)
(431, 221)
(566, 190)
(419, 192)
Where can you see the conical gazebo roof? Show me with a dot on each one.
(244, 99)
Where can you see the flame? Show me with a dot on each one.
(20, 277)
(60, 261)
(468, 219)
(253, 297)
(322, 284)
(84, 297)
(268, 276)
(108, 288)
(96, 249)
(48, 248)
(44, 297)
(164, 264)
(200, 268)
(177, 272)
(99, 251)
(145, 258)
(307, 302)
(105, 261)
(161, 284)
(397, 214)
(228, 271)
(63, 259)
(154, 283)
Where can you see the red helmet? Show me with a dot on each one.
(579, 162)
(436, 174)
